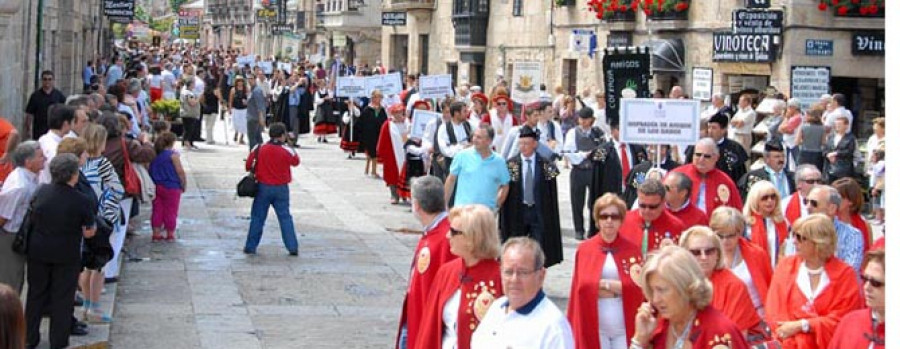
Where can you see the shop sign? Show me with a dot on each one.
(339, 39)
(619, 39)
(266, 15)
(119, 11)
(808, 84)
(189, 24)
(817, 47)
(625, 71)
(752, 48)
(868, 44)
(757, 3)
(278, 29)
(659, 121)
(393, 18)
(702, 83)
(757, 22)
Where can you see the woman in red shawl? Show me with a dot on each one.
(464, 288)
(851, 205)
(812, 290)
(768, 228)
(864, 328)
(604, 297)
(745, 260)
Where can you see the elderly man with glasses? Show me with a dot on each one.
(651, 225)
(806, 177)
(711, 187)
(826, 200)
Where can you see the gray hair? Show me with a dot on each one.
(528, 243)
(720, 96)
(834, 197)
(24, 152)
(428, 193)
(779, 105)
(794, 102)
(682, 181)
(708, 142)
(652, 187)
(63, 167)
(488, 129)
(134, 85)
(802, 170)
(78, 101)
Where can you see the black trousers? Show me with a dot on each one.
(191, 129)
(579, 185)
(51, 287)
(534, 225)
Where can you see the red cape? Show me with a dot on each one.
(855, 331)
(786, 303)
(691, 216)
(760, 236)
(589, 260)
(432, 252)
(385, 151)
(666, 226)
(793, 212)
(486, 118)
(720, 189)
(711, 330)
(479, 285)
(730, 296)
(759, 266)
(878, 245)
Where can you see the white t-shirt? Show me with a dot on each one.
(749, 118)
(539, 324)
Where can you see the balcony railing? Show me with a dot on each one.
(471, 30)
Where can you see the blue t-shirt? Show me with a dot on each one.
(477, 179)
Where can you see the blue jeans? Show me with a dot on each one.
(277, 196)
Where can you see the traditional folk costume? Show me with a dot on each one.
(611, 171)
(432, 252)
(534, 214)
(769, 241)
(450, 138)
(783, 181)
(650, 236)
(732, 156)
(754, 271)
(578, 142)
(415, 155)
(858, 329)
(790, 298)
(392, 153)
(351, 135)
(325, 120)
(730, 296)
(471, 291)
(717, 189)
(709, 330)
(475, 118)
(501, 124)
(689, 214)
(639, 174)
(370, 121)
(596, 259)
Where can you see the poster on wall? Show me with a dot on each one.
(189, 24)
(527, 78)
(702, 84)
(659, 121)
(625, 72)
(808, 84)
(119, 11)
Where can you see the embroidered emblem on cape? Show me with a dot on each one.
(723, 193)
(483, 303)
(514, 170)
(424, 260)
(599, 154)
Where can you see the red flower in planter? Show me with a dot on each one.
(842, 11)
(681, 6)
(835, 2)
(822, 6)
(855, 2)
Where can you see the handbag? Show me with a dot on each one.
(23, 236)
(248, 185)
(131, 181)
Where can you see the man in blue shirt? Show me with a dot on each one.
(86, 75)
(115, 72)
(478, 175)
(826, 200)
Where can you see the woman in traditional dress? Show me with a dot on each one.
(237, 107)
(370, 120)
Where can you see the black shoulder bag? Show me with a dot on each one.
(23, 236)
(248, 185)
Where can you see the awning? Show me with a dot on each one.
(666, 55)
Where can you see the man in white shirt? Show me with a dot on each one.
(837, 109)
(455, 135)
(168, 82)
(15, 197)
(524, 317)
(60, 122)
(740, 127)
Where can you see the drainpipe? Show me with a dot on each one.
(38, 44)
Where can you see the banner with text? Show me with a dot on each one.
(389, 84)
(435, 86)
(189, 24)
(659, 121)
(526, 81)
(420, 119)
(351, 86)
(808, 84)
(627, 72)
(702, 81)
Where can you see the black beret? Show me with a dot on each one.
(719, 118)
(774, 146)
(586, 113)
(527, 131)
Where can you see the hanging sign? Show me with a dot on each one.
(526, 81)
(868, 44)
(757, 21)
(755, 48)
(625, 71)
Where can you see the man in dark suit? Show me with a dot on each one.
(613, 168)
(532, 206)
(774, 171)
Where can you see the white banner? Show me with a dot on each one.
(284, 66)
(659, 121)
(389, 84)
(420, 119)
(349, 86)
(526, 81)
(266, 66)
(435, 86)
(243, 61)
(702, 81)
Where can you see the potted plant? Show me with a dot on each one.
(168, 110)
(614, 10)
(854, 8)
(666, 9)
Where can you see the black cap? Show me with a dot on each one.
(527, 131)
(586, 113)
(774, 146)
(719, 118)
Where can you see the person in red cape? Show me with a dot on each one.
(807, 176)
(864, 328)
(678, 200)
(746, 260)
(718, 188)
(851, 205)
(415, 164)
(651, 225)
(604, 295)
(394, 134)
(470, 283)
(500, 119)
(812, 290)
(433, 251)
(768, 229)
(679, 314)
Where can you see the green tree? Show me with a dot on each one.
(175, 4)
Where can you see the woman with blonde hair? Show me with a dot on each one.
(678, 314)
(730, 295)
(463, 289)
(812, 290)
(604, 297)
(768, 228)
(746, 260)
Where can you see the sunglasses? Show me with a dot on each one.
(454, 232)
(875, 283)
(812, 203)
(800, 238)
(813, 181)
(772, 196)
(703, 155)
(504, 103)
(649, 207)
(607, 216)
(703, 251)
(47, 79)
(727, 236)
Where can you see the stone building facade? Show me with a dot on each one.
(70, 29)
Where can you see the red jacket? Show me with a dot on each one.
(274, 165)
(720, 189)
(690, 215)
(666, 226)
